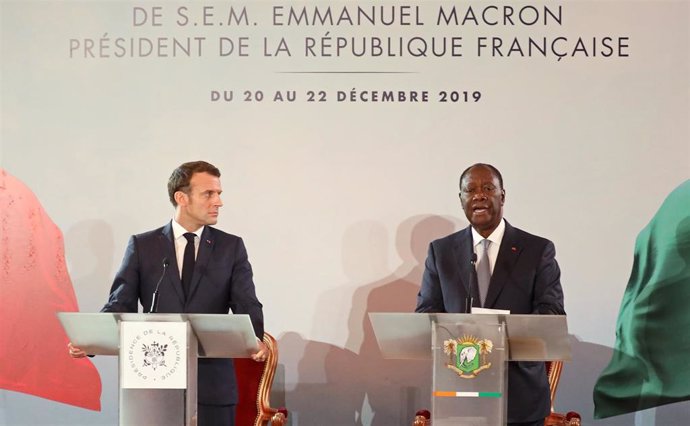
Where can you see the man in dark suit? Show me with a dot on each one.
(208, 272)
(523, 278)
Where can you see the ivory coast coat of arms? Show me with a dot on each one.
(467, 355)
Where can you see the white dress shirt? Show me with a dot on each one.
(181, 243)
(496, 237)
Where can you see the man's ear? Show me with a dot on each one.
(181, 198)
(503, 196)
(462, 202)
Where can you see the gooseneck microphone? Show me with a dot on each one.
(472, 280)
(154, 302)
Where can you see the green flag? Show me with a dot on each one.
(651, 358)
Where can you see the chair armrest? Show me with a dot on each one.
(280, 417)
(558, 419)
(422, 418)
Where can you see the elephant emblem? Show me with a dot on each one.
(467, 355)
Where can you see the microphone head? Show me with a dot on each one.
(166, 262)
(474, 258)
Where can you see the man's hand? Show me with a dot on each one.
(262, 354)
(75, 352)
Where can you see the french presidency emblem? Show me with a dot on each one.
(153, 355)
(467, 355)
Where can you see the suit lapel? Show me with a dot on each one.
(462, 249)
(508, 254)
(206, 243)
(167, 241)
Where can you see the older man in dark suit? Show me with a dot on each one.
(208, 272)
(523, 277)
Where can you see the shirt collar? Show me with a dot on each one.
(496, 237)
(179, 231)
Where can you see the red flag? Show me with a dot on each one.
(34, 286)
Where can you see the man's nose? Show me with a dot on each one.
(479, 195)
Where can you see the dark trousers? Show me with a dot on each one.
(216, 415)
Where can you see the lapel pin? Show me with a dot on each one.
(513, 249)
(208, 241)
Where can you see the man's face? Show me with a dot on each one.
(482, 199)
(201, 204)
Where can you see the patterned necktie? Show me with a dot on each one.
(188, 264)
(484, 272)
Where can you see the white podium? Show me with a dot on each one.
(158, 356)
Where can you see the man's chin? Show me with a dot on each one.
(481, 223)
(484, 225)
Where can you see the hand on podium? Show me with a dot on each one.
(75, 352)
(262, 353)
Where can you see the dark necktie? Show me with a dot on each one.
(484, 272)
(188, 264)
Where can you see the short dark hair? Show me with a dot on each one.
(181, 176)
(493, 169)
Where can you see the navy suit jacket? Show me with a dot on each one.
(525, 280)
(222, 281)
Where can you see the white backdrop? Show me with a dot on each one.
(337, 201)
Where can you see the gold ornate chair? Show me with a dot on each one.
(553, 371)
(254, 381)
